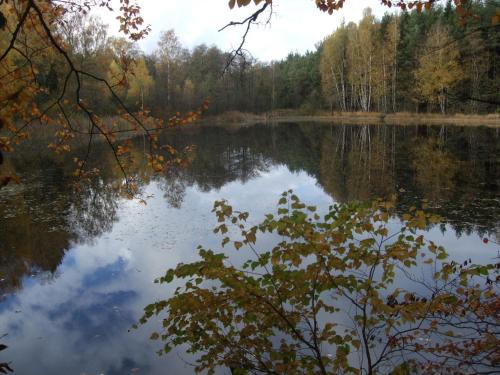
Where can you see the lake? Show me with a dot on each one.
(77, 266)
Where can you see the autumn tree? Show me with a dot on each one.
(334, 68)
(359, 64)
(169, 55)
(140, 83)
(439, 69)
(361, 55)
(386, 67)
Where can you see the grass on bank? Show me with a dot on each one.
(372, 118)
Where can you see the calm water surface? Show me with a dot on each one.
(77, 268)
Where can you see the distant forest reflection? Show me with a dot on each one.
(457, 169)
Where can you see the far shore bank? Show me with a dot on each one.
(355, 118)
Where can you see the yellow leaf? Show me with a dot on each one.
(251, 237)
(274, 261)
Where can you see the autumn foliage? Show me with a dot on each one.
(349, 291)
(47, 86)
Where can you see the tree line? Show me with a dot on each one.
(411, 61)
(420, 62)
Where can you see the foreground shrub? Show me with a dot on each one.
(335, 294)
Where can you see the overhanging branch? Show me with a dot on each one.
(248, 22)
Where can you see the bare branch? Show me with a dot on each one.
(248, 22)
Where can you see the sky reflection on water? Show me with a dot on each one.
(77, 320)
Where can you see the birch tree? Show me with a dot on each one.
(168, 53)
(361, 53)
(140, 83)
(333, 68)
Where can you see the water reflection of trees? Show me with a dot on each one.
(94, 210)
(221, 156)
(42, 216)
(358, 163)
(456, 169)
(31, 224)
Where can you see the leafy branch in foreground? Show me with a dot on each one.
(45, 84)
(337, 293)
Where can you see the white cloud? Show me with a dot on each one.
(296, 25)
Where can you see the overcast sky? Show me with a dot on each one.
(296, 25)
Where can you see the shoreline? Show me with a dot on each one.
(355, 118)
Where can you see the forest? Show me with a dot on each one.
(405, 62)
